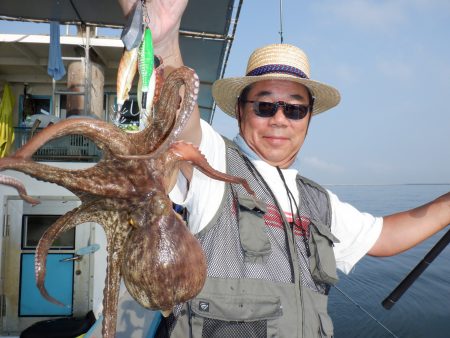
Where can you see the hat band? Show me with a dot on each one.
(276, 68)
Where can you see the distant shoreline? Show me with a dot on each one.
(381, 184)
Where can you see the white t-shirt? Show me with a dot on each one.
(356, 231)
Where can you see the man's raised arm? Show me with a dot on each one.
(165, 17)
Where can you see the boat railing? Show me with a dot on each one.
(70, 148)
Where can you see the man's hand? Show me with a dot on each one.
(165, 17)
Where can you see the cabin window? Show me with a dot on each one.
(30, 105)
(34, 226)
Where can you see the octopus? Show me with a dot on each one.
(126, 192)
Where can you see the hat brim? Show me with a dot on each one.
(226, 91)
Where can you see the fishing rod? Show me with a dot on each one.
(395, 295)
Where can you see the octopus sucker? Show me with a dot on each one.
(126, 192)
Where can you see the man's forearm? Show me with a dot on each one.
(402, 231)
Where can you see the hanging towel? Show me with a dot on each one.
(55, 64)
(6, 121)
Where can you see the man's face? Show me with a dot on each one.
(275, 139)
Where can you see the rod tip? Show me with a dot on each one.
(388, 303)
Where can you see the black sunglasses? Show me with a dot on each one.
(269, 109)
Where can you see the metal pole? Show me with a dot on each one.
(53, 97)
(281, 21)
(87, 79)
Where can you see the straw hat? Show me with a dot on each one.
(275, 62)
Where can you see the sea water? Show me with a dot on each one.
(424, 309)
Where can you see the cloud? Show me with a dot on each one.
(399, 71)
(347, 74)
(380, 168)
(384, 15)
(319, 164)
(440, 5)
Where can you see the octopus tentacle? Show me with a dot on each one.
(101, 132)
(12, 182)
(176, 79)
(66, 222)
(183, 151)
(116, 239)
(99, 182)
(165, 110)
(115, 224)
(159, 77)
(190, 79)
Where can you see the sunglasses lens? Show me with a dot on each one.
(265, 109)
(295, 111)
(269, 109)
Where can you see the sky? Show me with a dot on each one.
(390, 60)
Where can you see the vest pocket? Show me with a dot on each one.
(326, 326)
(322, 260)
(252, 230)
(232, 316)
(317, 322)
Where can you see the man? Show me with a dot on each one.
(271, 261)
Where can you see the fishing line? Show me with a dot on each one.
(281, 21)
(367, 312)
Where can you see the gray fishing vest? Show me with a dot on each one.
(260, 280)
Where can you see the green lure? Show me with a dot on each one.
(146, 63)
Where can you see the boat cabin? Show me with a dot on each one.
(91, 49)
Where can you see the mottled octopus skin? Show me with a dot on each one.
(126, 193)
(174, 273)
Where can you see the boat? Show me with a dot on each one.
(90, 51)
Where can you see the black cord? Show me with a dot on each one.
(292, 198)
(83, 24)
(261, 179)
(289, 197)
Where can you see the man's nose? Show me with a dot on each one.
(279, 116)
